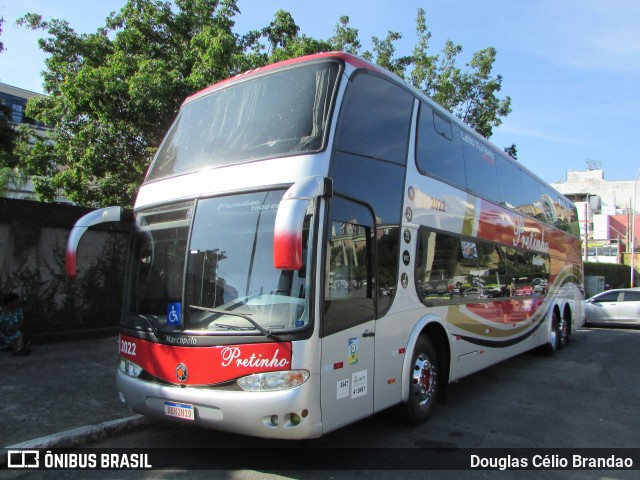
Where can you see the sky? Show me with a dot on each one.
(571, 67)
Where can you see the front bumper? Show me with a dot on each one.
(260, 414)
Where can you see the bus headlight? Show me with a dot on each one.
(272, 381)
(130, 368)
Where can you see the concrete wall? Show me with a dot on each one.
(614, 195)
(33, 238)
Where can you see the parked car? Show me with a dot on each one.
(476, 292)
(614, 307)
(522, 288)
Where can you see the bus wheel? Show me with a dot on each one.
(423, 389)
(564, 333)
(554, 336)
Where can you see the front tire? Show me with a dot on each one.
(424, 384)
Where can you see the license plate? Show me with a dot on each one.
(179, 410)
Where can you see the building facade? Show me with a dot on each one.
(605, 213)
(15, 99)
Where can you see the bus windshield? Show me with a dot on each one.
(207, 266)
(278, 114)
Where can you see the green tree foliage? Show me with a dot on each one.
(280, 40)
(512, 151)
(345, 38)
(1, 44)
(470, 94)
(112, 94)
(7, 137)
(615, 275)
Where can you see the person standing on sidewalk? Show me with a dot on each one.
(11, 321)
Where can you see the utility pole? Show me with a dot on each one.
(633, 228)
(586, 230)
(628, 247)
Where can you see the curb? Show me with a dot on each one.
(76, 436)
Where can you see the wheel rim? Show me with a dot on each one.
(554, 334)
(424, 380)
(564, 331)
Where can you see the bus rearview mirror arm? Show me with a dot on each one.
(102, 215)
(287, 234)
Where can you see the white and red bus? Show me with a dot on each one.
(316, 241)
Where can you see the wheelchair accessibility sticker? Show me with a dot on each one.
(174, 314)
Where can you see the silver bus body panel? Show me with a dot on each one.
(233, 178)
(248, 413)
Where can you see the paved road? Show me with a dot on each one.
(587, 396)
(60, 386)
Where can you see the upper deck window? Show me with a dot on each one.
(509, 183)
(480, 167)
(439, 150)
(375, 119)
(279, 114)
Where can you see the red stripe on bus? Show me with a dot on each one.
(207, 365)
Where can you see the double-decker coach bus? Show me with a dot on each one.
(316, 241)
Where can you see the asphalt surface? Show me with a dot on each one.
(61, 395)
(64, 395)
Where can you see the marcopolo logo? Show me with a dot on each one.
(181, 372)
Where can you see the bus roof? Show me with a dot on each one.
(356, 62)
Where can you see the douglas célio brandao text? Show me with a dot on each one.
(550, 461)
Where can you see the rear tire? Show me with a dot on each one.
(423, 384)
(554, 336)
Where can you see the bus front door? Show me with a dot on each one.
(347, 376)
(348, 325)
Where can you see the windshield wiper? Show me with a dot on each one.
(154, 329)
(232, 327)
(264, 331)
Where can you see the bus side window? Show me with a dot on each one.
(509, 183)
(438, 148)
(348, 274)
(454, 269)
(480, 167)
(437, 261)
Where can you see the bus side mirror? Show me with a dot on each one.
(287, 234)
(103, 215)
